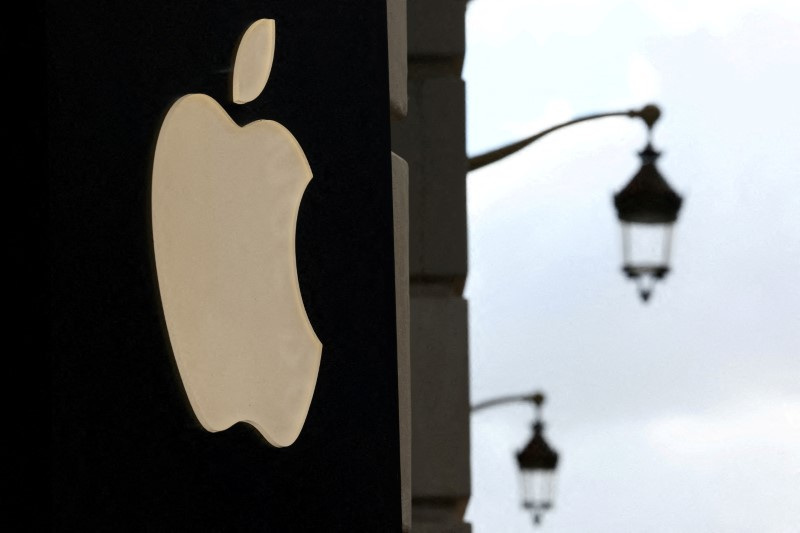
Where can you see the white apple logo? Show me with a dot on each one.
(225, 201)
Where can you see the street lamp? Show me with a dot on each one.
(537, 465)
(647, 207)
(537, 461)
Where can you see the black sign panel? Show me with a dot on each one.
(127, 450)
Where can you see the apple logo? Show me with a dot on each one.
(225, 201)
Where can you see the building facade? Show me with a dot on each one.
(380, 256)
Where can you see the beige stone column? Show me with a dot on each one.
(398, 105)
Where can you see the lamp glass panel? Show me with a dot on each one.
(646, 246)
(538, 489)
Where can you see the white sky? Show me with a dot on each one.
(682, 415)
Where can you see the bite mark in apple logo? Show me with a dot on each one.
(225, 201)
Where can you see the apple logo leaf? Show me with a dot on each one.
(253, 61)
(224, 203)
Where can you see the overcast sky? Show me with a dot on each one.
(682, 415)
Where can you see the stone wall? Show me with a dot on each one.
(431, 139)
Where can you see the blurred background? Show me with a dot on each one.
(682, 414)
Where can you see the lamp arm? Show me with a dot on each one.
(648, 113)
(536, 398)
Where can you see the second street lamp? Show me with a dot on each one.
(647, 207)
(537, 461)
(537, 466)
